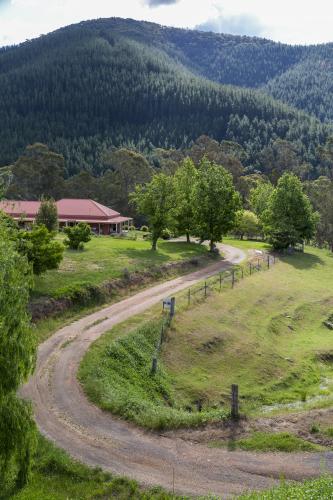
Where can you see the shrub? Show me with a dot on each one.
(144, 229)
(166, 234)
(77, 235)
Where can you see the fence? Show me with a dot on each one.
(216, 283)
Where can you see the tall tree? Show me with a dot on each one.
(47, 214)
(216, 202)
(260, 197)
(155, 200)
(290, 218)
(17, 359)
(320, 193)
(38, 172)
(185, 179)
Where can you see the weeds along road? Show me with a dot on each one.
(65, 416)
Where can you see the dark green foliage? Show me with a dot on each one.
(17, 359)
(91, 86)
(289, 218)
(40, 249)
(47, 214)
(77, 235)
(215, 202)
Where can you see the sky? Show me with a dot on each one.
(288, 21)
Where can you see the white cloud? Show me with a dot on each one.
(242, 24)
(296, 21)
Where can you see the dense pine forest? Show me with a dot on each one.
(90, 87)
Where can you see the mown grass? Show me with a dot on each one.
(58, 477)
(246, 244)
(105, 258)
(319, 489)
(265, 441)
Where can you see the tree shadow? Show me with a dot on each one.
(302, 260)
(184, 250)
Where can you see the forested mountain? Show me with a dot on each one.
(104, 83)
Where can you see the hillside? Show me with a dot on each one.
(111, 82)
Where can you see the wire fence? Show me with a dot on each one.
(217, 283)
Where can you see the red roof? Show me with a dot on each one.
(68, 209)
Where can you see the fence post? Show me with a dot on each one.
(232, 278)
(268, 261)
(162, 335)
(242, 272)
(189, 297)
(172, 307)
(250, 268)
(234, 402)
(258, 265)
(220, 281)
(154, 366)
(205, 289)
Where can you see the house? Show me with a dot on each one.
(102, 220)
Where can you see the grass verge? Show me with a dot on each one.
(264, 441)
(319, 489)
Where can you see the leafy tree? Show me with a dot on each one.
(77, 235)
(216, 202)
(184, 183)
(320, 193)
(247, 224)
(290, 218)
(48, 214)
(40, 249)
(279, 157)
(17, 360)
(260, 197)
(155, 200)
(38, 172)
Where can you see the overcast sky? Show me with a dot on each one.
(290, 21)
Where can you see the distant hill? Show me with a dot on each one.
(86, 87)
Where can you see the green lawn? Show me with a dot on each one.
(319, 489)
(104, 258)
(264, 441)
(246, 244)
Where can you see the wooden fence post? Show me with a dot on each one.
(250, 268)
(172, 307)
(232, 278)
(205, 289)
(234, 402)
(220, 281)
(154, 366)
(268, 261)
(189, 297)
(242, 272)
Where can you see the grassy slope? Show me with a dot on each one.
(266, 335)
(105, 258)
(320, 489)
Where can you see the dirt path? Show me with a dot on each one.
(97, 438)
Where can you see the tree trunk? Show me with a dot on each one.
(188, 239)
(154, 244)
(211, 246)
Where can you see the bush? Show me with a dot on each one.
(166, 234)
(77, 235)
(144, 229)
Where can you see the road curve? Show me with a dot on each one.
(65, 416)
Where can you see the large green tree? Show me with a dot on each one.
(260, 197)
(17, 359)
(290, 218)
(320, 193)
(155, 200)
(216, 202)
(185, 179)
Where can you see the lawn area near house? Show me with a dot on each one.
(105, 258)
(267, 335)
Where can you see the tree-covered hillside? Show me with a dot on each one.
(87, 87)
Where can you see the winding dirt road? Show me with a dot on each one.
(97, 438)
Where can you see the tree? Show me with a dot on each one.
(320, 193)
(17, 360)
(290, 218)
(41, 250)
(128, 168)
(38, 172)
(47, 214)
(216, 202)
(247, 224)
(155, 200)
(260, 197)
(184, 182)
(279, 157)
(77, 235)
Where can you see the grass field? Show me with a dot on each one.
(104, 258)
(264, 441)
(267, 335)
